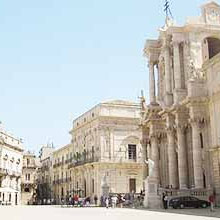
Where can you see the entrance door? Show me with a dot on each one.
(132, 185)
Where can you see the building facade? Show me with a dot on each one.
(29, 179)
(106, 144)
(181, 123)
(62, 182)
(45, 174)
(11, 151)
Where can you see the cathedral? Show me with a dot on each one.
(181, 125)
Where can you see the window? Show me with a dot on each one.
(201, 140)
(93, 186)
(28, 161)
(132, 152)
(28, 176)
(27, 190)
(204, 180)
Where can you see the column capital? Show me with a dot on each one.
(154, 136)
(181, 128)
(170, 130)
(198, 121)
(176, 43)
(151, 63)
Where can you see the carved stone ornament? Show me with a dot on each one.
(195, 73)
(213, 16)
(2, 141)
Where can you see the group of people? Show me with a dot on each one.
(75, 200)
(112, 201)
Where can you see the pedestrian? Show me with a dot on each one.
(70, 200)
(212, 200)
(165, 202)
(107, 202)
(95, 199)
(76, 200)
(114, 201)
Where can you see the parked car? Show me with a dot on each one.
(188, 202)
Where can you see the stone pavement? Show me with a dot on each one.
(58, 213)
(194, 212)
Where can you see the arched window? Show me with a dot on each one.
(211, 47)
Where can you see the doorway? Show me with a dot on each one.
(132, 185)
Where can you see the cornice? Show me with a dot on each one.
(200, 100)
(215, 148)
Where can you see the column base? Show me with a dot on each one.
(152, 199)
(183, 187)
(179, 95)
(168, 99)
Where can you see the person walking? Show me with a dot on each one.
(165, 202)
(107, 202)
(96, 200)
(76, 200)
(114, 201)
(212, 201)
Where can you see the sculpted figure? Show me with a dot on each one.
(150, 166)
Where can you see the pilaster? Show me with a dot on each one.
(172, 156)
(181, 123)
(167, 59)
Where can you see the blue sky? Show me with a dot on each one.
(60, 58)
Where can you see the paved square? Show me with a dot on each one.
(58, 213)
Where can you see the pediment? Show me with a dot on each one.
(211, 4)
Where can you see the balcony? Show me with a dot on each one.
(3, 172)
(200, 193)
(45, 168)
(68, 161)
(83, 162)
(57, 165)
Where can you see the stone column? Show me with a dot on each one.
(158, 83)
(168, 78)
(177, 69)
(167, 70)
(144, 158)
(152, 82)
(155, 157)
(182, 157)
(172, 159)
(197, 155)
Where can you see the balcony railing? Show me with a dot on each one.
(3, 171)
(62, 181)
(83, 162)
(200, 193)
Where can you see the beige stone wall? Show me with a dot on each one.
(104, 133)
(10, 168)
(61, 176)
(184, 110)
(29, 179)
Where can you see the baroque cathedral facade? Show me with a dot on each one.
(181, 125)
